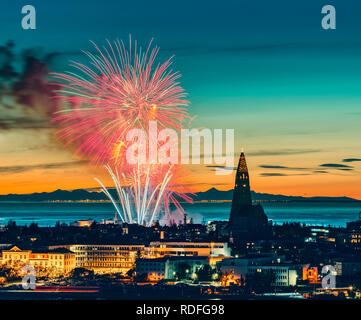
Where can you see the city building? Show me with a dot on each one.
(319, 234)
(240, 268)
(246, 221)
(284, 275)
(169, 267)
(214, 250)
(105, 258)
(218, 227)
(310, 274)
(348, 266)
(60, 258)
(353, 236)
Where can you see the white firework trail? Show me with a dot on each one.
(139, 204)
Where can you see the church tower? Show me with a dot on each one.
(242, 191)
(246, 221)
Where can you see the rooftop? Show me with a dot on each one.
(172, 258)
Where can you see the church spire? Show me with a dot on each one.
(242, 192)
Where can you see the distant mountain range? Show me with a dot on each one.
(214, 194)
(210, 195)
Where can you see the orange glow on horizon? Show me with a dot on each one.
(298, 177)
(83, 178)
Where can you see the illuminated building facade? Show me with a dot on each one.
(208, 249)
(310, 274)
(105, 258)
(121, 258)
(60, 259)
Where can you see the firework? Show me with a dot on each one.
(144, 199)
(119, 90)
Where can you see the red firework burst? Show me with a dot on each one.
(120, 89)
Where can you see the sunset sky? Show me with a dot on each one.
(289, 89)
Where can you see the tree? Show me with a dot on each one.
(5, 272)
(11, 272)
(205, 273)
(130, 272)
(260, 281)
(183, 270)
(33, 227)
(309, 255)
(11, 225)
(141, 277)
(81, 273)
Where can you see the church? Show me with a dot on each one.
(246, 221)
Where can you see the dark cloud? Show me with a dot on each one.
(284, 152)
(7, 123)
(7, 70)
(193, 49)
(320, 171)
(334, 165)
(32, 89)
(56, 165)
(29, 88)
(280, 167)
(272, 167)
(198, 49)
(351, 160)
(187, 49)
(221, 167)
(278, 174)
(274, 174)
